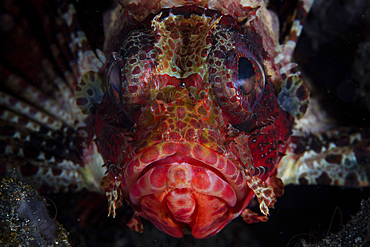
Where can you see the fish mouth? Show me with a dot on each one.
(178, 186)
(184, 152)
(181, 172)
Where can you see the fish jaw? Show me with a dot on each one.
(184, 190)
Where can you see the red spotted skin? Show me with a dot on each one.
(188, 161)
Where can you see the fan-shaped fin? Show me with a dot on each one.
(340, 158)
(44, 135)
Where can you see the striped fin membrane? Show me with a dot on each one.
(44, 135)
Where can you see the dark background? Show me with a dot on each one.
(333, 56)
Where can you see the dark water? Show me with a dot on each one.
(330, 55)
(304, 213)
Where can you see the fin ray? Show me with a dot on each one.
(45, 136)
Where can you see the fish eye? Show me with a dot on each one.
(245, 68)
(250, 81)
(237, 77)
(114, 82)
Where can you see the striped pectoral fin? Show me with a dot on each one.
(47, 157)
(44, 137)
(337, 158)
(44, 134)
(44, 149)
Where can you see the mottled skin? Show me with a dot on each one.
(186, 165)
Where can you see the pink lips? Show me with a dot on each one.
(178, 189)
(182, 176)
(187, 196)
